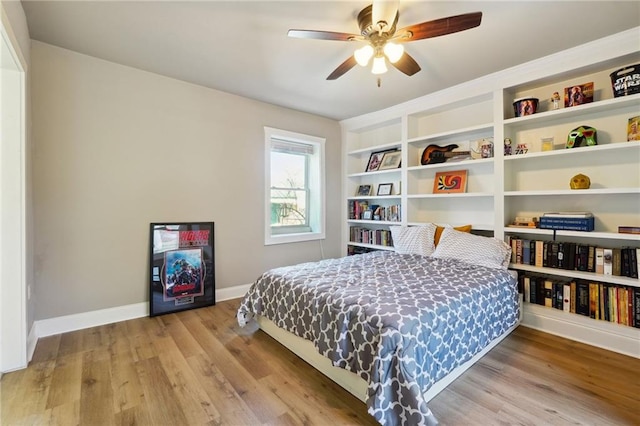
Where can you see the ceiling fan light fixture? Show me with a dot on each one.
(363, 55)
(383, 14)
(393, 51)
(379, 65)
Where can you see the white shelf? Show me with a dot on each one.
(453, 195)
(457, 133)
(451, 165)
(590, 276)
(374, 197)
(590, 108)
(378, 173)
(373, 222)
(474, 227)
(372, 246)
(383, 147)
(587, 150)
(563, 192)
(578, 234)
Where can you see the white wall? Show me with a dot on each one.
(116, 148)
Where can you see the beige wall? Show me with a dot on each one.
(116, 148)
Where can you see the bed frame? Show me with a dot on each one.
(350, 381)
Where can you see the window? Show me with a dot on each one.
(294, 190)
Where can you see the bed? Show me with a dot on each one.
(398, 325)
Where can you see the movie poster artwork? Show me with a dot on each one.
(182, 267)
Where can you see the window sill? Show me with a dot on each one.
(293, 238)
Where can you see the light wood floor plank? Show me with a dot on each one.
(48, 348)
(159, 397)
(200, 368)
(96, 393)
(127, 389)
(194, 402)
(66, 380)
(232, 408)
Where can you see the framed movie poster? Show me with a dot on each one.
(182, 272)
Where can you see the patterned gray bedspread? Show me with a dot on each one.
(401, 322)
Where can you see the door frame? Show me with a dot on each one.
(13, 202)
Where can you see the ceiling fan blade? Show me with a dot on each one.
(323, 35)
(439, 27)
(407, 65)
(343, 68)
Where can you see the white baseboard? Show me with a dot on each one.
(232, 292)
(32, 340)
(67, 323)
(602, 334)
(75, 322)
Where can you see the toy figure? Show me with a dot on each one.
(555, 100)
(580, 181)
(507, 146)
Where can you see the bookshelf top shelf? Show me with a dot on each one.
(580, 234)
(593, 107)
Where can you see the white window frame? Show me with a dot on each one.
(317, 202)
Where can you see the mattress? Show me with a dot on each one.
(400, 322)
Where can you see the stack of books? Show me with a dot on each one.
(567, 221)
(525, 222)
(629, 229)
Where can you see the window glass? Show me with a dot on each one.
(294, 196)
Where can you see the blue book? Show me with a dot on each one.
(567, 224)
(526, 252)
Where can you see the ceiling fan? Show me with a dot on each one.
(377, 24)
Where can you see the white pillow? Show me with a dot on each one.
(414, 239)
(475, 249)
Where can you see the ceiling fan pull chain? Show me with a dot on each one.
(379, 81)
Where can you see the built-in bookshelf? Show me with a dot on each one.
(502, 187)
(597, 300)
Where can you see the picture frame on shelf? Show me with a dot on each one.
(391, 160)
(450, 182)
(375, 160)
(385, 188)
(367, 215)
(182, 273)
(578, 94)
(363, 190)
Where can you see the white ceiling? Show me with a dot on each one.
(242, 47)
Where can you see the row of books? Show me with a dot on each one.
(566, 221)
(361, 210)
(601, 301)
(575, 256)
(380, 237)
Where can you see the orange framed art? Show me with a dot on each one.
(454, 181)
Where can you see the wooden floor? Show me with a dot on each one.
(198, 367)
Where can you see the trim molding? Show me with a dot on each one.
(602, 334)
(67, 323)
